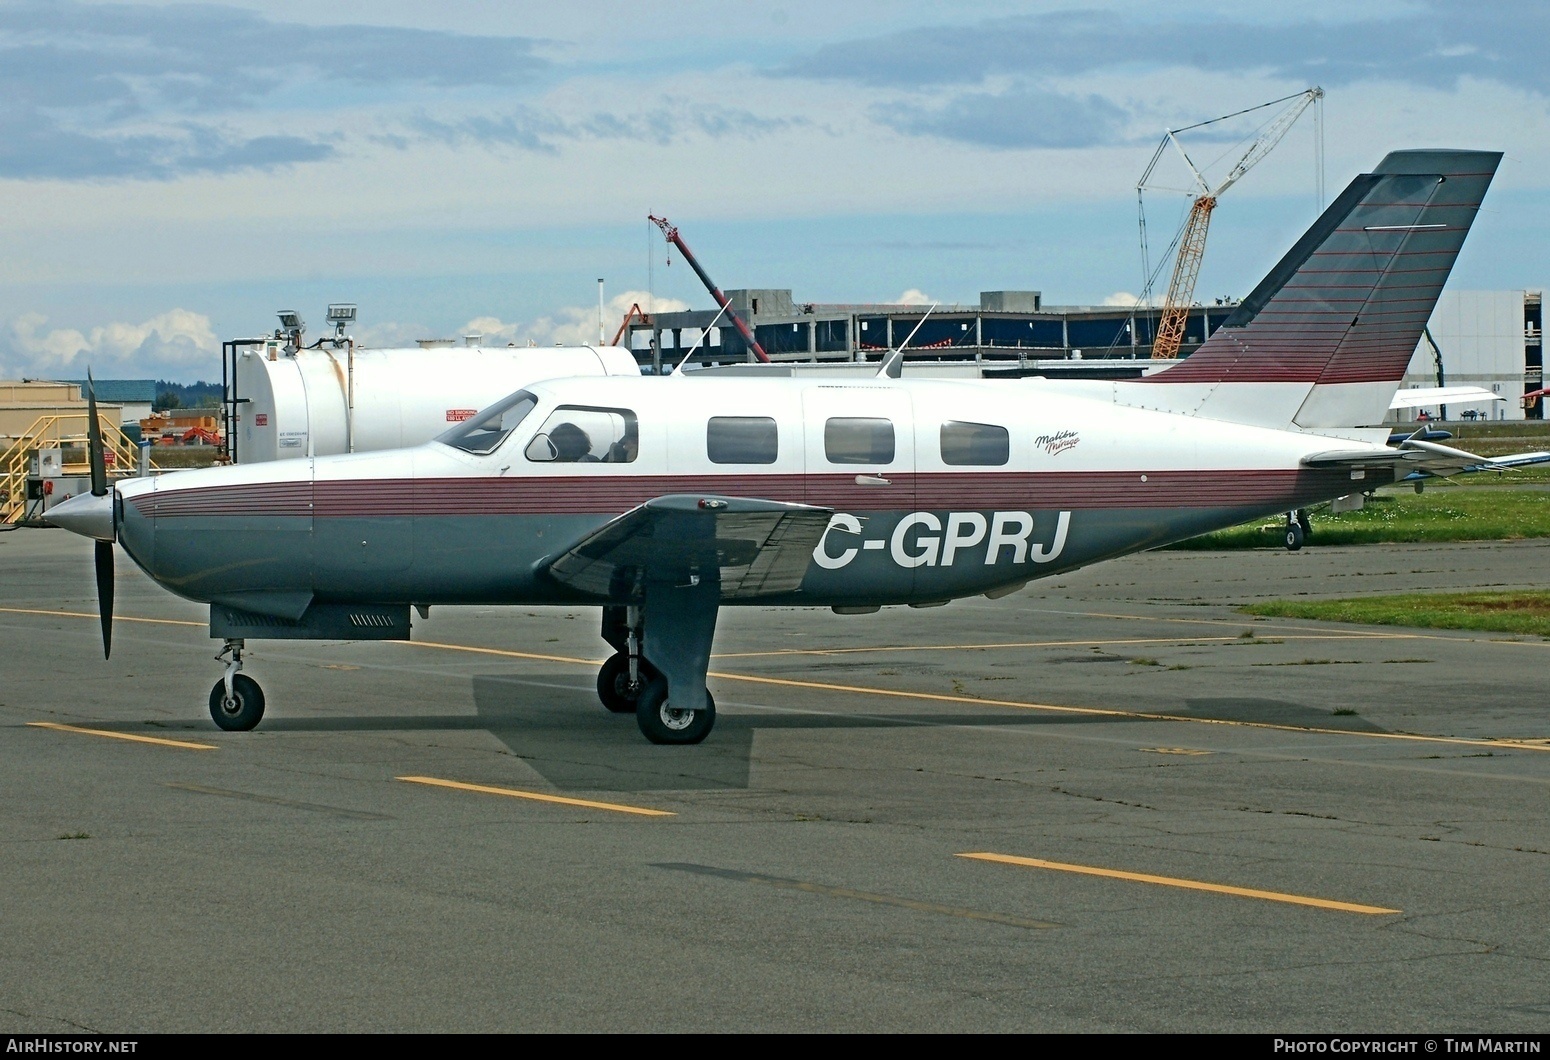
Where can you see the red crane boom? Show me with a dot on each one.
(674, 238)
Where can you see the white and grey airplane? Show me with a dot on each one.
(661, 499)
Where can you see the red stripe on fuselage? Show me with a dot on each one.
(612, 494)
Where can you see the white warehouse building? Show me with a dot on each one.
(1488, 339)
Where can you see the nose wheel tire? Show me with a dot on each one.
(613, 683)
(660, 723)
(243, 710)
(1294, 536)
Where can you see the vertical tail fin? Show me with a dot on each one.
(1324, 340)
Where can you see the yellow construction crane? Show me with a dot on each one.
(1192, 240)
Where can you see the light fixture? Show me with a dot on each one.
(341, 315)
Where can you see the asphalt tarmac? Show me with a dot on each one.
(1110, 802)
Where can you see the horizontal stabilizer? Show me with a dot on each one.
(755, 547)
(1417, 457)
(1421, 397)
(1361, 458)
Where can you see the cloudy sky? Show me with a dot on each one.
(171, 174)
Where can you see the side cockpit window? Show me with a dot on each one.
(489, 429)
(582, 434)
(975, 444)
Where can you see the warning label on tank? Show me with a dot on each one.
(261, 419)
(459, 415)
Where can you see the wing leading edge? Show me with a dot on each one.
(754, 547)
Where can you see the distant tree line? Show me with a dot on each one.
(187, 395)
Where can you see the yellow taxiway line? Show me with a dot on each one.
(1192, 885)
(1118, 642)
(1132, 714)
(570, 659)
(86, 614)
(125, 736)
(537, 796)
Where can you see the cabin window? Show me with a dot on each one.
(741, 440)
(975, 444)
(858, 440)
(484, 432)
(581, 434)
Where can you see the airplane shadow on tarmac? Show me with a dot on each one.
(554, 724)
(1274, 712)
(563, 733)
(567, 737)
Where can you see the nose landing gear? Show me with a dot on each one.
(236, 701)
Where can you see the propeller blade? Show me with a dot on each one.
(104, 557)
(99, 472)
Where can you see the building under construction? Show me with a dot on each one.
(1486, 339)
(1011, 332)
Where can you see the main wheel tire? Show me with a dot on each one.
(613, 683)
(243, 711)
(660, 723)
(1293, 537)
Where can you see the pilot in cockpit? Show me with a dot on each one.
(571, 444)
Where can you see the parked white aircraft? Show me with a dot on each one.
(662, 499)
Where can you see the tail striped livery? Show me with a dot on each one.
(1324, 340)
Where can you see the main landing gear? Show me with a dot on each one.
(236, 701)
(671, 703)
(1298, 529)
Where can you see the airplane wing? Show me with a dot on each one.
(762, 548)
(1426, 396)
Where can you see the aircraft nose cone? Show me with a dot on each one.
(85, 515)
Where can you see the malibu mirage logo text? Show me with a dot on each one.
(1057, 443)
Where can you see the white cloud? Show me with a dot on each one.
(572, 325)
(391, 335)
(165, 343)
(1121, 298)
(915, 296)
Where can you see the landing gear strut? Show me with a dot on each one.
(658, 669)
(236, 701)
(626, 673)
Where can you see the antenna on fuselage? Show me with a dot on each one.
(893, 365)
(676, 369)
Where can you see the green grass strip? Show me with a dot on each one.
(1526, 613)
(1439, 514)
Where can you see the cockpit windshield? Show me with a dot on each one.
(485, 432)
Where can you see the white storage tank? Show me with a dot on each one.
(326, 400)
